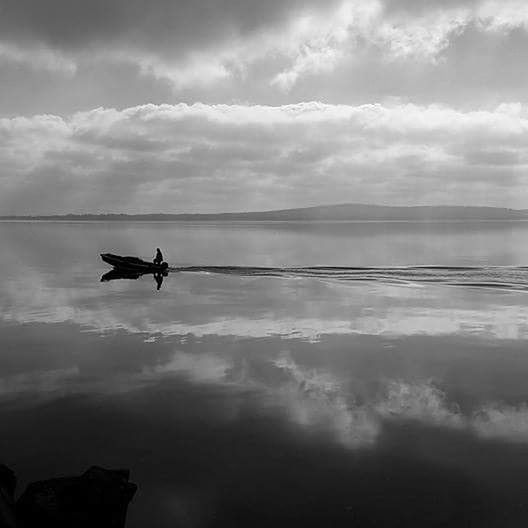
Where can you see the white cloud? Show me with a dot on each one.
(422, 39)
(318, 42)
(197, 69)
(501, 15)
(280, 50)
(214, 157)
(39, 57)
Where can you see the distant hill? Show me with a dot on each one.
(341, 212)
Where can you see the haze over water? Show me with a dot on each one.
(274, 398)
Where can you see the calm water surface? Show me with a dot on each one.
(254, 400)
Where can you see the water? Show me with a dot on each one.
(293, 374)
(499, 277)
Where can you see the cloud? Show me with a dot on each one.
(280, 43)
(494, 15)
(181, 41)
(233, 157)
(38, 57)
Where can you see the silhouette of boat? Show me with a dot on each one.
(133, 264)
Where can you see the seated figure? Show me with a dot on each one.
(158, 259)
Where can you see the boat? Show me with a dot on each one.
(133, 264)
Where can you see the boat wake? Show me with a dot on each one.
(498, 277)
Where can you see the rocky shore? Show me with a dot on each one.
(99, 497)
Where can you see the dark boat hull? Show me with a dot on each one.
(133, 264)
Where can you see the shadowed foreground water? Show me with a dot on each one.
(243, 399)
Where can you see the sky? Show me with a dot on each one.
(172, 106)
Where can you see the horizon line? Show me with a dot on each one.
(265, 211)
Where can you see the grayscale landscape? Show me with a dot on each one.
(263, 264)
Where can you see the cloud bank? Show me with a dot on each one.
(416, 103)
(201, 47)
(210, 158)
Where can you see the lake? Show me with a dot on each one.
(275, 383)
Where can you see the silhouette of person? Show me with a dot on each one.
(158, 277)
(158, 259)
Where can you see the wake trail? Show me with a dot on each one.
(501, 277)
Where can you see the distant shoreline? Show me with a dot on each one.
(240, 222)
(318, 214)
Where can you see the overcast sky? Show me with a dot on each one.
(226, 105)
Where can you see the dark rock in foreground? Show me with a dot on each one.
(7, 497)
(98, 498)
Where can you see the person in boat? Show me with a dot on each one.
(158, 259)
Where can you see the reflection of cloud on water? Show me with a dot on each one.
(497, 321)
(199, 367)
(506, 422)
(386, 310)
(309, 330)
(37, 382)
(316, 398)
(507, 322)
(422, 402)
(312, 398)
(510, 322)
(44, 384)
